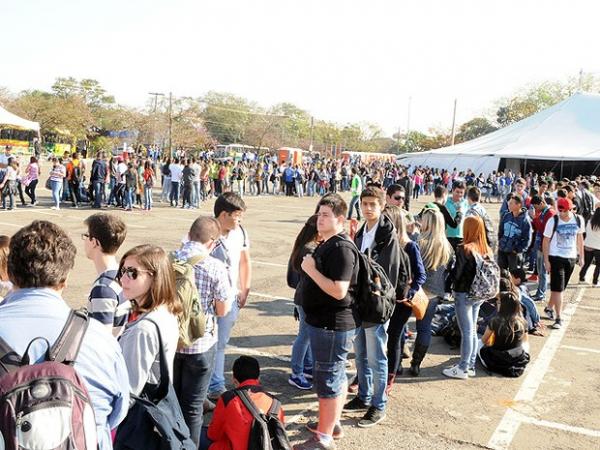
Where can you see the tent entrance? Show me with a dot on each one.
(561, 169)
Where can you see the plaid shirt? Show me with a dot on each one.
(213, 285)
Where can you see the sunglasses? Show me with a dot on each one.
(399, 197)
(132, 272)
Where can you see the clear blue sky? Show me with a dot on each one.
(340, 60)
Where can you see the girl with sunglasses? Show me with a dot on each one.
(149, 283)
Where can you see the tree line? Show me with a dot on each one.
(83, 110)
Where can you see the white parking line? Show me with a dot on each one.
(559, 426)
(271, 297)
(581, 349)
(590, 308)
(509, 425)
(8, 224)
(264, 263)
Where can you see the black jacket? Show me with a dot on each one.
(295, 279)
(385, 249)
(463, 270)
(406, 183)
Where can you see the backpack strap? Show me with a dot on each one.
(66, 348)
(249, 404)
(275, 407)
(163, 386)
(196, 259)
(9, 359)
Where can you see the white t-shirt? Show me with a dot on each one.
(176, 171)
(564, 241)
(122, 168)
(368, 237)
(233, 245)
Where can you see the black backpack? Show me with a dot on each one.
(76, 173)
(587, 203)
(509, 363)
(267, 431)
(374, 293)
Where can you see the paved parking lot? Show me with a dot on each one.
(556, 404)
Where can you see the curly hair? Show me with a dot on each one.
(41, 255)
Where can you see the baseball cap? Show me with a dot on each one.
(564, 204)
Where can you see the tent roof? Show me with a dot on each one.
(8, 118)
(568, 131)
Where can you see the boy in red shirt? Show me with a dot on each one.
(543, 213)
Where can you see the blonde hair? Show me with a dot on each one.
(436, 251)
(396, 215)
(4, 249)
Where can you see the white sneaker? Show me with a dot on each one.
(447, 297)
(471, 373)
(455, 372)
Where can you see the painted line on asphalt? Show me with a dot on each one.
(269, 296)
(252, 352)
(580, 349)
(559, 426)
(44, 213)
(264, 263)
(509, 425)
(8, 224)
(590, 308)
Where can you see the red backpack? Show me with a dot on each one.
(46, 405)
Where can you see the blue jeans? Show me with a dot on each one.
(174, 197)
(542, 276)
(111, 188)
(301, 354)
(98, 192)
(147, 197)
(467, 312)
(56, 192)
(196, 194)
(226, 323)
(166, 189)
(191, 375)
(330, 350)
(355, 202)
(372, 364)
(532, 316)
(130, 193)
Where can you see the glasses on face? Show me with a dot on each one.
(132, 272)
(85, 236)
(398, 197)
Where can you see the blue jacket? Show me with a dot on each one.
(514, 233)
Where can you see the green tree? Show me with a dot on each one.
(474, 128)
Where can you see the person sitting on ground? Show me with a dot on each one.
(105, 234)
(534, 324)
(505, 347)
(231, 423)
(40, 259)
(5, 285)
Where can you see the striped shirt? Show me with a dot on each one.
(107, 302)
(212, 282)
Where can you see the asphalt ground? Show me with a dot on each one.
(555, 404)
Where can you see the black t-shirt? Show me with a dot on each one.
(338, 263)
(507, 337)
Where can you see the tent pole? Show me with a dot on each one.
(525, 168)
(561, 169)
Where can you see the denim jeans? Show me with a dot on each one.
(372, 365)
(330, 350)
(301, 354)
(98, 190)
(147, 197)
(532, 316)
(130, 193)
(30, 190)
(174, 196)
(166, 189)
(196, 194)
(56, 192)
(226, 323)
(111, 188)
(542, 275)
(191, 375)
(355, 202)
(467, 312)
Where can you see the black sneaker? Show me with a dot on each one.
(549, 313)
(371, 418)
(557, 325)
(356, 404)
(338, 432)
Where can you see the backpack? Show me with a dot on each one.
(486, 283)
(47, 405)
(374, 294)
(76, 174)
(155, 420)
(192, 321)
(267, 431)
(587, 203)
(555, 225)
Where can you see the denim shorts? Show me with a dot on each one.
(330, 350)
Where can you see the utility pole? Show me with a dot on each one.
(312, 129)
(453, 124)
(408, 123)
(171, 124)
(156, 95)
(580, 84)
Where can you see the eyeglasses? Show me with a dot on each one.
(132, 272)
(85, 236)
(399, 197)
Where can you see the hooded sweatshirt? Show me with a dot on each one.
(514, 233)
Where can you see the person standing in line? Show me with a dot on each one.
(356, 189)
(165, 180)
(543, 213)
(514, 234)
(148, 183)
(592, 248)
(75, 175)
(176, 174)
(32, 175)
(563, 248)
(98, 178)
(467, 310)
(331, 274)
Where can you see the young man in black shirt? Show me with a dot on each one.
(327, 299)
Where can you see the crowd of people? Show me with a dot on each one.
(138, 335)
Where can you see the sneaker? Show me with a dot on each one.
(447, 297)
(338, 431)
(538, 298)
(371, 418)
(471, 372)
(308, 374)
(314, 444)
(214, 395)
(208, 406)
(581, 280)
(356, 404)
(557, 325)
(455, 372)
(300, 382)
(549, 313)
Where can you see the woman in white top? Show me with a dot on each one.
(57, 175)
(32, 175)
(591, 248)
(8, 187)
(148, 282)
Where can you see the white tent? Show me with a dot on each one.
(10, 120)
(567, 131)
